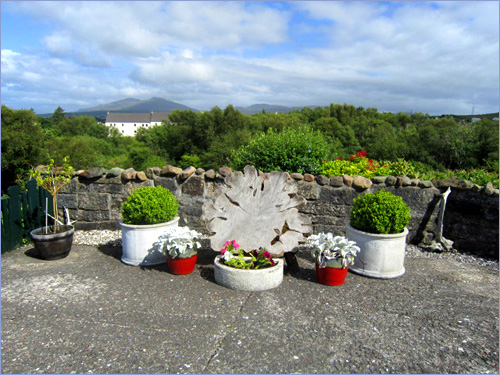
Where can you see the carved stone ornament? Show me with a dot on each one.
(257, 211)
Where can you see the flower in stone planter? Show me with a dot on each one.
(332, 251)
(180, 242)
(233, 256)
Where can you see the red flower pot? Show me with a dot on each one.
(331, 276)
(181, 266)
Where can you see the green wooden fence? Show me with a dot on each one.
(23, 211)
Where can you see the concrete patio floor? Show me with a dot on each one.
(90, 313)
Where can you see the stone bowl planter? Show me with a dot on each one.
(381, 255)
(248, 280)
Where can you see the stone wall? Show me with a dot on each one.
(94, 198)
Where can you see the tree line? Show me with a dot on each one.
(211, 139)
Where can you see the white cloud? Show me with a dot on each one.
(425, 56)
(172, 69)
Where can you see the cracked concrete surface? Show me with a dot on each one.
(90, 313)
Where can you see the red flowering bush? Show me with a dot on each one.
(234, 256)
(358, 164)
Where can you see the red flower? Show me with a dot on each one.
(363, 153)
(352, 157)
(266, 254)
(339, 158)
(370, 161)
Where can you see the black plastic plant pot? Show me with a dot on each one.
(53, 246)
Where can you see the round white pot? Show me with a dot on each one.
(248, 280)
(141, 245)
(381, 255)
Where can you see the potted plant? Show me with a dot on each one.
(255, 270)
(333, 255)
(53, 242)
(147, 214)
(378, 226)
(180, 246)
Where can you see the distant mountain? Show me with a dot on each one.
(131, 105)
(256, 108)
(113, 106)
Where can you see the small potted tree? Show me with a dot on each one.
(378, 225)
(55, 241)
(180, 247)
(255, 270)
(333, 255)
(147, 214)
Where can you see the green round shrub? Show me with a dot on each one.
(150, 205)
(292, 150)
(380, 213)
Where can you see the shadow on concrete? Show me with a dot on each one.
(33, 253)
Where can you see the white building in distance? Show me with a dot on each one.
(128, 123)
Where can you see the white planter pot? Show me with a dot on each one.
(141, 245)
(381, 255)
(248, 280)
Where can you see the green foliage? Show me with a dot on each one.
(343, 133)
(23, 145)
(381, 212)
(141, 157)
(415, 144)
(80, 125)
(189, 161)
(150, 205)
(401, 167)
(477, 176)
(293, 150)
(84, 151)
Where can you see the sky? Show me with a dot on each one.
(399, 56)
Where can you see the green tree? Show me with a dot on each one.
(81, 125)
(22, 145)
(58, 116)
(331, 127)
(84, 151)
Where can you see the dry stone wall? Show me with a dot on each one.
(94, 198)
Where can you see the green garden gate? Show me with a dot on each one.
(23, 211)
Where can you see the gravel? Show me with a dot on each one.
(113, 238)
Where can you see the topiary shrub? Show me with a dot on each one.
(380, 213)
(150, 205)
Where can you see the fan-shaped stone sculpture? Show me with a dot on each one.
(257, 211)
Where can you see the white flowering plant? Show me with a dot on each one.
(332, 251)
(180, 242)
